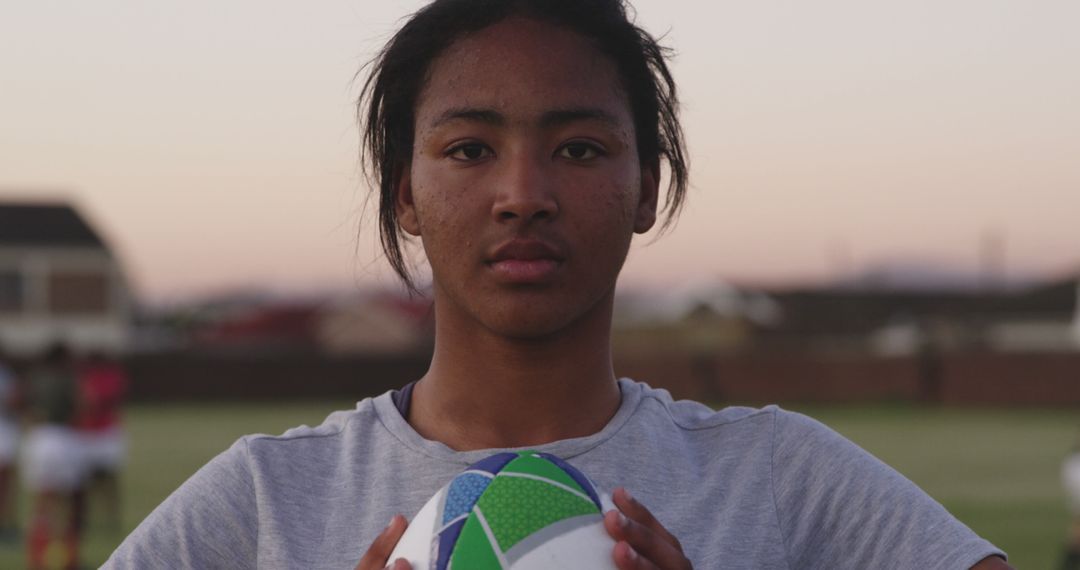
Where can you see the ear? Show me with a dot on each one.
(645, 217)
(403, 201)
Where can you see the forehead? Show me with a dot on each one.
(522, 68)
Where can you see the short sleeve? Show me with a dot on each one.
(208, 522)
(840, 507)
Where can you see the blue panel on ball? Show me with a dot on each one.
(464, 491)
(447, 538)
(494, 463)
(577, 476)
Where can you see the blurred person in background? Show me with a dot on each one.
(102, 385)
(52, 459)
(1070, 478)
(9, 445)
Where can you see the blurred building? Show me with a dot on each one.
(374, 322)
(698, 318)
(1043, 317)
(59, 282)
(379, 323)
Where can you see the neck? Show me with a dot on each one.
(484, 390)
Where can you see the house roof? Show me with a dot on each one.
(44, 224)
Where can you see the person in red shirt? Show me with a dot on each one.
(102, 386)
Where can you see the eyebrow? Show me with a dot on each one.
(553, 118)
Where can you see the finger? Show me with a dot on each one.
(643, 516)
(380, 549)
(636, 545)
(649, 539)
(626, 558)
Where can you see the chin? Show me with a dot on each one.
(535, 319)
(534, 324)
(526, 313)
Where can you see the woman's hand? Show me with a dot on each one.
(379, 552)
(642, 543)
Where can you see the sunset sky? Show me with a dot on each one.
(214, 142)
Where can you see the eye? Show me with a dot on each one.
(580, 151)
(469, 152)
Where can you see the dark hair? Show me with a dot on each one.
(398, 73)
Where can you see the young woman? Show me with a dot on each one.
(521, 142)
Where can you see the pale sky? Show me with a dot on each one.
(214, 142)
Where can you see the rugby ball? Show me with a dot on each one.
(512, 511)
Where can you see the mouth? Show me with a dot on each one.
(525, 261)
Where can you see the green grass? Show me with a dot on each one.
(997, 470)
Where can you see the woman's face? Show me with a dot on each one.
(525, 185)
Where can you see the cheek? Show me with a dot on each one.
(611, 208)
(436, 204)
(446, 212)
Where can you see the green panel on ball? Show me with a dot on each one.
(473, 551)
(516, 507)
(541, 467)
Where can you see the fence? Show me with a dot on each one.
(976, 378)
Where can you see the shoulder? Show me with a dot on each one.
(692, 415)
(312, 447)
(214, 519)
(208, 521)
(837, 503)
(834, 503)
(335, 425)
(794, 443)
(702, 437)
(792, 437)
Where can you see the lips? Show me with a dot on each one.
(525, 261)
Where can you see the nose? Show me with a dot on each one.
(525, 191)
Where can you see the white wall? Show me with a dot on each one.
(34, 328)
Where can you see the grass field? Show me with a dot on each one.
(997, 470)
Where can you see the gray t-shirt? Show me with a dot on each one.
(741, 488)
